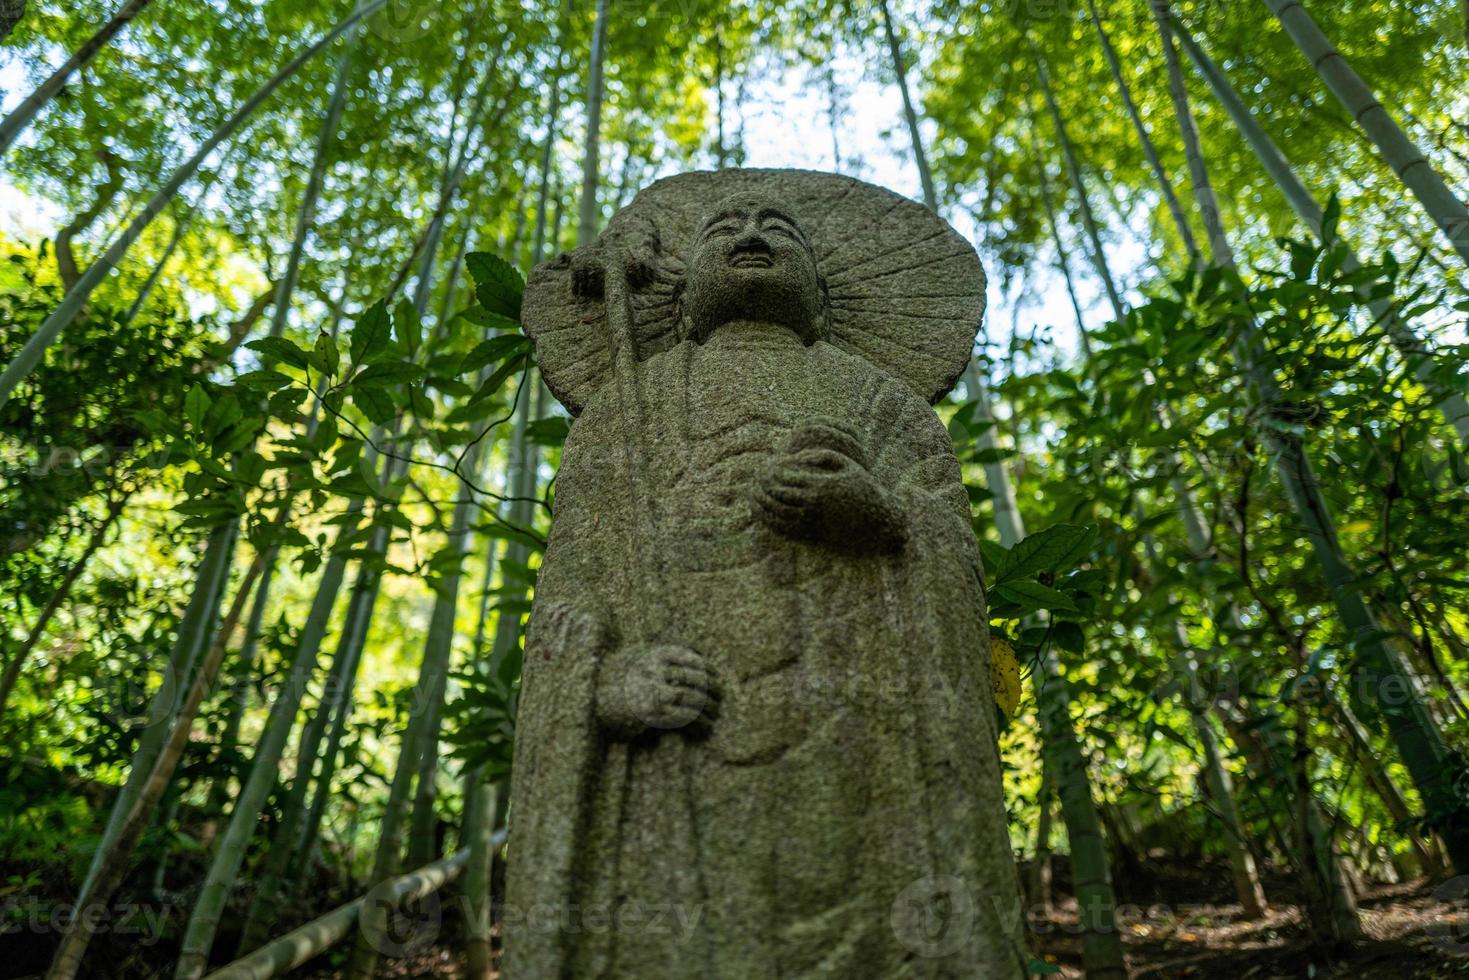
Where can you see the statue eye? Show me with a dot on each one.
(778, 226)
(727, 226)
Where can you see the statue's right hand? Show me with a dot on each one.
(645, 686)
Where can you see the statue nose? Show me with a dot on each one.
(752, 241)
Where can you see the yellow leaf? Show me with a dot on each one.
(1005, 676)
(1359, 527)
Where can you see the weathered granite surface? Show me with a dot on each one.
(756, 734)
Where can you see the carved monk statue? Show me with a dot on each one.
(756, 736)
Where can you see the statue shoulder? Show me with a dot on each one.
(659, 373)
(840, 362)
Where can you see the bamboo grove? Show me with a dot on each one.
(277, 466)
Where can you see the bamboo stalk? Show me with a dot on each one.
(112, 865)
(438, 650)
(43, 619)
(322, 933)
(1413, 168)
(363, 962)
(481, 840)
(589, 217)
(1073, 169)
(30, 355)
(229, 855)
(1091, 870)
(191, 639)
(1454, 406)
(1150, 149)
(1418, 740)
(21, 116)
(900, 72)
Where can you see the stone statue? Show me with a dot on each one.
(756, 736)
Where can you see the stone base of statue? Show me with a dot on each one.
(756, 736)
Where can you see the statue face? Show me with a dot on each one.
(751, 261)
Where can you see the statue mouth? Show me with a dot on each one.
(751, 260)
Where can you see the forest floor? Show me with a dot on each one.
(1411, 935)
(1172, 925)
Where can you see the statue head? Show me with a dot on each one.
(751, 261)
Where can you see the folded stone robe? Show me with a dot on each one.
(840, 817)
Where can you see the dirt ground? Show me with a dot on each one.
(1412, 935)
(1170, 921)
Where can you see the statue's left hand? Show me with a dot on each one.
(820, 489)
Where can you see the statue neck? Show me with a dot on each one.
(760, 331)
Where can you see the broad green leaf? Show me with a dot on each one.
(287, 401)
(196, 403)
(1033, 595)
(375, 403)
(407, 327)
(1068, 635)
(370, 334)
(263, 380)
(385, 374)
(494, 382)
(1330, 217)
(420, 404)
(325, 355)
(487, 352)
(1053, 549)
(992, 454)
(280, 349)
(478, 314)
(225, 412)
(497, 285)
(548, 432)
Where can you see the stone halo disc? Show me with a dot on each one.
(907, 292)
